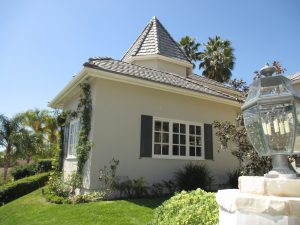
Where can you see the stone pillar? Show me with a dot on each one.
(260, 200)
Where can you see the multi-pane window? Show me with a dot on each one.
(73, 138)
(161, 138)
(195, 140)
(177, 139)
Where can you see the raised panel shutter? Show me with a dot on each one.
(146, 136)
(66, 139)
(208, 141)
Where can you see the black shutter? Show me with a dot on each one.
(66, 139)
(297, 161)
(146, 136)
(208, 141)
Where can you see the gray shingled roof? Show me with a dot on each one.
(209, 81)
(139, 72)
(155, 39)
(294, 77)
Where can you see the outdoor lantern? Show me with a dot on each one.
(272, 120)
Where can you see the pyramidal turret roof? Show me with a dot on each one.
(155, 39)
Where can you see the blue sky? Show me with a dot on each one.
(44, 43)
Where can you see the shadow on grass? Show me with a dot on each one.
(149, 202)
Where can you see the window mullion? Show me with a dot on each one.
(170, 138)
(188, 140)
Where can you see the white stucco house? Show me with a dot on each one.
(150, 112)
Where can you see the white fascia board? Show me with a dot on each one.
(159, 86)
(296, 81)
(56, 102)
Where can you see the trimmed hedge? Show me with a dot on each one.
(40, 166)
(14, 190)
(192, 208)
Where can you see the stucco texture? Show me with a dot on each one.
(116, 125)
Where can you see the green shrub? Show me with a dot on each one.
(43, 165)
(188, 208)
(88, 197)
(233, 179)
(57, 187)
(139, 188)
(135, 188)
(74, 199)
(107, 178)
(50, 197)
(22, 171)
(40, 166)
(16, 189)
(125, 188)
(157, 189)
(192, 176)
(170, 186)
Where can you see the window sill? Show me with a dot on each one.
(178, 158)
(71, 158)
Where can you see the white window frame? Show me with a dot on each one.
(187, 141)
(73, 138)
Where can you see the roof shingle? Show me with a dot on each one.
(139, 72)
(294, 76)
(155, 39)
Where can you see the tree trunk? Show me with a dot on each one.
(6, 162)
(5, 169)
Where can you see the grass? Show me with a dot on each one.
(33, 209)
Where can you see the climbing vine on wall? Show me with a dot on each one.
(84, 110)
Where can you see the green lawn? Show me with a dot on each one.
(33, 209)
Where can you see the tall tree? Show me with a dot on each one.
(190, 48)
(28, 145)
(42, 127)
(217, 59)
(9, 139)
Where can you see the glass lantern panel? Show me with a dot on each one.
(273, 86)
(278, 127)
(253, 91)
(254, 130)
(297, 133)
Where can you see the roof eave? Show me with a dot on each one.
(56, 102)
(104, 74)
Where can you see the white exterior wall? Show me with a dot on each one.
(117, 123)
(162, 65)
(70, 164)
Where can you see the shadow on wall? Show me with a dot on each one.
(151, 203)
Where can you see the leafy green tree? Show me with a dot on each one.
(234, 137)
(43, 129)
(217, 59)
(190, 48)
(10, 140)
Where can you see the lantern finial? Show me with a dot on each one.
(267, 70)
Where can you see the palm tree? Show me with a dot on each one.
(42, 126)
(28, 145)
(35, 119)
(190, 48)
(217, 59)
(9, 139)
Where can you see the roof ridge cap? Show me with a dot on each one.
(147, 26)
(172, 39)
